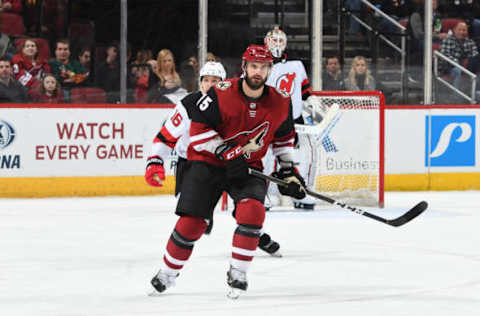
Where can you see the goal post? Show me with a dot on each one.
(351, 154)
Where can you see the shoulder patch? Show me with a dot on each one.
(283, 93)
(224, 85)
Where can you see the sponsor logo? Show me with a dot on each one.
(7, 134)
(224, 85)
(452, 141)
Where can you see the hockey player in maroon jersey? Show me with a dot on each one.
(175, 134)
(231, 129)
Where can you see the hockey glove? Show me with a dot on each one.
(155, 173)
(235, 163)
(296, 184)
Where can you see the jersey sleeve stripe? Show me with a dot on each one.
(202, 136)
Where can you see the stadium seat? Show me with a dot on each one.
(88, 96)
(11, 24)
(43, 47)
(449, 24)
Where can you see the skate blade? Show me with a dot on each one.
(154, 293)
(234, 293)
(276, 254)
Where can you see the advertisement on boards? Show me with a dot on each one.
(63, 142)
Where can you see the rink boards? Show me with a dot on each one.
(88, 150)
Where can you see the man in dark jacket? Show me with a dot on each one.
(11, 91)
(332, 78)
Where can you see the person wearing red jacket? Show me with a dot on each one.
(28, 68)
(48, 92)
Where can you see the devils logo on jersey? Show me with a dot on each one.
(286, 82)
(253, 140)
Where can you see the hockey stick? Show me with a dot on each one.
(319, 128)
(399, 221)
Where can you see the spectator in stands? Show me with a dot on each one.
(359, 77)
(416, 31)
(11, 91)
(166, 72)
(332, 78)
(85, 60)
(467, 10)
(69, 73)
(28, 68)
(48, 92)
(108, 74)
(14, 6)
(461, 49)
(169, 88)
(144, 75)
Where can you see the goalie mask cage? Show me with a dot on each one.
(351, 154)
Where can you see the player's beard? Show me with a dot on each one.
(255, 82)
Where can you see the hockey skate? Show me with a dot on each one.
(162, 281)
(269, 246)
(237, 281)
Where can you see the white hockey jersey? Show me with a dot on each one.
(175, 132)
(290, 76)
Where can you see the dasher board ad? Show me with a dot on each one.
(62, 142)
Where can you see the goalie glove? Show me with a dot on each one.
(314, 109)
(235, 163)
(296, 184)
(155, 173)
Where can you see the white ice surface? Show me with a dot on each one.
(96, 256)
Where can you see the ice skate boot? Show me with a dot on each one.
(269, 246)
(237, 281)
(162, 281)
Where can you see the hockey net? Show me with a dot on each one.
(351, 153)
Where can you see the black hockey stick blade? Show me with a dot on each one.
(408, 216)
(399, 221)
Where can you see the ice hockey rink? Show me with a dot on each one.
(96, 256)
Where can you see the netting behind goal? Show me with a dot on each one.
(351, 160)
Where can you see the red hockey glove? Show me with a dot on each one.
(235, 162)
(296, 184)
(155, 173)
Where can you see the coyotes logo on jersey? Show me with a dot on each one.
(253, 140)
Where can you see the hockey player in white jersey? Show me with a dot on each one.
(175, 134)
(290, 76)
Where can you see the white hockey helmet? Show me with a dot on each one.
(213, 68)
(276, 41)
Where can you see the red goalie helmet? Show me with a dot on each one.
(257, 53)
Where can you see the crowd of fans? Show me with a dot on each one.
(28, 73)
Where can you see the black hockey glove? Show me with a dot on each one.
(235, 163)
(296, 184)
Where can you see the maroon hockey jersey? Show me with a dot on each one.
(226, 114)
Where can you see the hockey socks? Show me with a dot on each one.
(250, 215)
(180, 245)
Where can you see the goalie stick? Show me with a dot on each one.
(399, 221)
